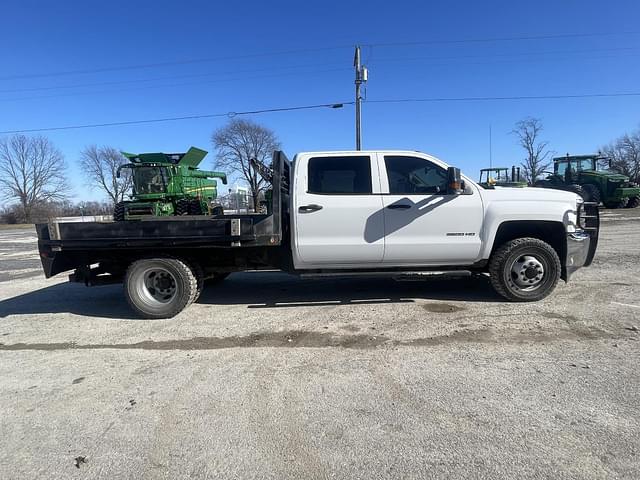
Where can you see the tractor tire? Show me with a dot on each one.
(617, 204)
(159, 287)
(195, 208)
(633, 202)
(524, 270)
(118, 212)
(182, 207)
(591, 193)
(575, 188)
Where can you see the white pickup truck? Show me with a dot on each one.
(340, 213)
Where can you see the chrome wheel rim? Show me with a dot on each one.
(527, 272)
(156, 286)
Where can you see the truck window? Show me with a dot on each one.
(414, 176)
(340, 175)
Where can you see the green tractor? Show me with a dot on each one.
(580, 174)
(167, 184)
(500, 177)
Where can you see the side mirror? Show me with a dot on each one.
(454, 182)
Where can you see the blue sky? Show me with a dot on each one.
(40, 41)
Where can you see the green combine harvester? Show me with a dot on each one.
(500, 177)
(580, 174)
(166, 184)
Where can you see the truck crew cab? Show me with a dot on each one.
(340, 213)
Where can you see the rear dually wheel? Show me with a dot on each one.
(160, 287)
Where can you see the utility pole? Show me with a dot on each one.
(361, 77)
(490, 149)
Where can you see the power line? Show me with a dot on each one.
(171, 85)
(498, 39)
(328, 105)
(186, 117)
(513, 54)
(308, 50)
(168, 64)
(172, 77)
(518, 97)
(289, 67)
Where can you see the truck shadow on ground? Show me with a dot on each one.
(255, 290)
(279, 290)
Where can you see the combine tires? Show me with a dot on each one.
(195, 207)
(182, 207)
(118, 212)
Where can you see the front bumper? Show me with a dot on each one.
(582, 244)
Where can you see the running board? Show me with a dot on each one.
(398, 276)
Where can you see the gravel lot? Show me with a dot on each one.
(270, 376)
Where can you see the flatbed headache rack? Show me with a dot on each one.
(77, 245)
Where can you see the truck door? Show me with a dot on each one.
(338, 211)
(423, 224)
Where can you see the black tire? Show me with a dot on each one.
(159, 287)
(617, 204)
(182, 207)
(591, 193)
(195, 207)
(633, 202)
(198, 272)
(524, 270)
(118, 212)
(575, 188)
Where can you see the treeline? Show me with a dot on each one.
(13, 214)
(34, 182)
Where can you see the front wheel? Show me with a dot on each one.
(159, 287)
(524, 270)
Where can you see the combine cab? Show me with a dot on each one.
(580, 174)
(167, 184)
(499, 177)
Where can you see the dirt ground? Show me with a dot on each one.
(271, 376)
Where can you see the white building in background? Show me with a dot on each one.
(238, 198)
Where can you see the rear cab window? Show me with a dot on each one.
(340, 175)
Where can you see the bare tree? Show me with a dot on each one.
(625, 155)
(536, 162)
(237, 143)
(100, 165)
(32, 171)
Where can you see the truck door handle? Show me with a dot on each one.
(398, 206)
(309, 208)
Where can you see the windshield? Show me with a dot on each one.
(149, 180)
(576, 165)
(494, 176)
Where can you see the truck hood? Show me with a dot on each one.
(510, 194)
